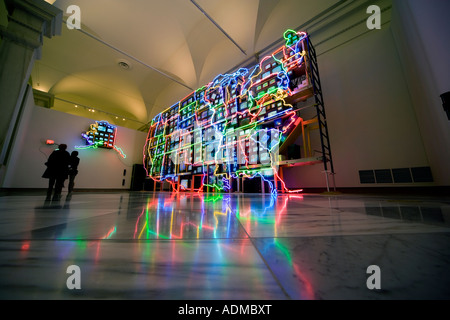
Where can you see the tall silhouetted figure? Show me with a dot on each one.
(73, 169)
(57, 172)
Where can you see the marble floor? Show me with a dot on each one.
(190, 246)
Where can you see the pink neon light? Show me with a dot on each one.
(292, 56)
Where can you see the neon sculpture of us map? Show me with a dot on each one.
(234, 126)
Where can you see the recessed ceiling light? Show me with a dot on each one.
(124, 64)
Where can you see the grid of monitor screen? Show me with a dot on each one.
(212, 126)
(102, 134)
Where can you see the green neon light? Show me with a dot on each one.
(227, 98)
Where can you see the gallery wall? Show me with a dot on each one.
(381, 93)
(99, 168)
(371, 119)
(420, 30)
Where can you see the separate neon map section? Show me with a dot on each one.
(101, 134)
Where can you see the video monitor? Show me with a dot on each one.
(185, 183)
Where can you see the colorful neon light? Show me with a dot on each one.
(101, 134)
(234, 126)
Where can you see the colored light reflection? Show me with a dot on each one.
(186, 216)
(210, 216)
(163, 219)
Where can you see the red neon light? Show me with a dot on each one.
(292, 57)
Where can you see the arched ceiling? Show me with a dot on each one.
(172, 47)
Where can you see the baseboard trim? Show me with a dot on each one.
(427, 191)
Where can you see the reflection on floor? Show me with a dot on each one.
(136, 245)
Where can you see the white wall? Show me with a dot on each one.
(381, 92)
(371, 120)
(421, 31)
(99, 168)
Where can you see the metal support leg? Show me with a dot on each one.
(328, 183)
(262, 186)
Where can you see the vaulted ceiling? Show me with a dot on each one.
(132, 59)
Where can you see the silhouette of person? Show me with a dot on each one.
(57, 172)
(73, 169)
